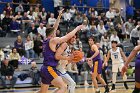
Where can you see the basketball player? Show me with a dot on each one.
(62, 66)
(137, 67)
(95, 63)
(116, 55)
(49, 74)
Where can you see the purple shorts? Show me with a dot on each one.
(97, 67)
(48, 73)
(137, 71)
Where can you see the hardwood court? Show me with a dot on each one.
(80, 89)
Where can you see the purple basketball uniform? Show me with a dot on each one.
(97, 63)
(137, 68)
(48, 70)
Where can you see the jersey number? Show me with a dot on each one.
(116, 56)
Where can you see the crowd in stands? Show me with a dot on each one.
(105, 26)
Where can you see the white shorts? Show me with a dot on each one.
(66, 77)
(117, 67)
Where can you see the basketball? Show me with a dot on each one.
(78, 56)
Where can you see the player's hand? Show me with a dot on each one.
(124, 69)
(61, 11)
(89, 61)
(81, 27)
(70, 58)
(104, 64)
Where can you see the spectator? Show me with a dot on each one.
(15, 26)
(32, 31)
(1, 55)
(18, 17)
(67, 18)
(19, 9)
(110, 14)
(38, 45)
(7, 72)
(34, 74)
(56, 7)
(78, 20)
(43, 13)
(134, 36)
(6, 23)
(126, 31)
(72, 11)
(26, 6)
(31, 17)
(77, 45)
(14, 57)
(36, 12)
(101, 28)
(104, 42)
(51, 20)
(2, 32)
(18, 44)
(85, 18)
(30, 11)
(25, 22)
(29, 44)
(44, 21)
(8, 9)
(73, 71)
(93, 11)
(42, 30)
(37, 22)
(119, 30)
(2, 15)
(93, 32)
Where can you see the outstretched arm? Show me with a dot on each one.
(67, 36)
(58, 20)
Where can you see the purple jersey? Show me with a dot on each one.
(96, 58)
(137, 68)
(49, 55)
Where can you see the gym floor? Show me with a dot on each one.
(79, 89)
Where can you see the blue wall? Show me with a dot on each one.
(2, 6)
(48, 5)
(137, 4)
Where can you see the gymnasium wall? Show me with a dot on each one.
(2, 6)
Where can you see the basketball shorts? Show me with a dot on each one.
(48, 73)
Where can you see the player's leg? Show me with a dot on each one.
(114, 75)
(137, 87)
(70, 82)
(58, 82)
(124, 78)
(100, 78)
(94, 75)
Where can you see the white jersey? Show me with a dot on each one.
(62, 63)
(116, 56)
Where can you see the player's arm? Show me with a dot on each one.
(95, 48)
(123, 55)
(70, 34)
(59, 52)
(132, 55)
(58, 20)
(107, 58)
